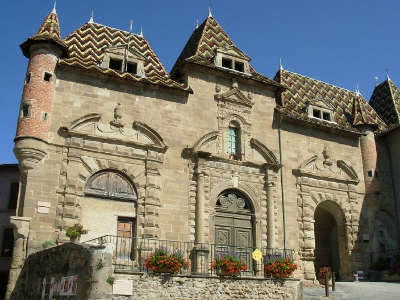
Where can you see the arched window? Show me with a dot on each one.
(234, 140)
(110, 184)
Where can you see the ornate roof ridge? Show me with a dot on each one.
(330, 84)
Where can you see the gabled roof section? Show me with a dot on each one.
(86, 47)
(48, 31)
(360, 112)
(202, 47)
(385, 100)
(302, 90)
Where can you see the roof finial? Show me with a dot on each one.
(387, 74)
(376, 80)
(197, 23)
(280, 64)
(130, 26)
(54, 11)
(209, 12)
(141, 31)
(91, 20)
(357, 90)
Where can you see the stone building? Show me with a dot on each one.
(9, 186)
(212, 152)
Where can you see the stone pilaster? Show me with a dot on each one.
(199, 237)
(152, 203)
(21, 232)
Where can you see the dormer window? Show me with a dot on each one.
(232, 64)
(131, 68)
(239, 66)
(233, 59)
(115, 64)
(227, 63)
(318, 109)
(326, 116)
(123, 59)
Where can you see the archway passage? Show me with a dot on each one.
(234, 230)
(329, 238)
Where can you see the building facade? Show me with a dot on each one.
(212, 152)
(9, 186)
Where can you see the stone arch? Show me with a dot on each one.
(330, 229)
(204, 140)
(90, 166)
(111, 184)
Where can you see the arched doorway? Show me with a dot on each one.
(330, 238)
(234, 225)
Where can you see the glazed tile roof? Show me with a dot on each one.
(301, 90)
(202, 45)
(385, 100)
(48, 31)
(86, 50)
(360, 112)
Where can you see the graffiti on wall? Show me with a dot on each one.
(64, 288)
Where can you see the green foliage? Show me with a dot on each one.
(75, 231)
(48, 244)
(110, 280)
(99, 264)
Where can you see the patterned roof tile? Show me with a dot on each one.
(301, 90)
(86, 50)
(385, 100)
(48, 31)
(360, 112)
(202, 45)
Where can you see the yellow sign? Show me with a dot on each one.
(257, 255)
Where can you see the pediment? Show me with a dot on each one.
(321, 104)
(234, 95)
(234, 51)
(207, 143)
(267, 154)
(120, 51)
(326, 168)
(93, 126)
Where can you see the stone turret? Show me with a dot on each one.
(43, 50)
(366, 125)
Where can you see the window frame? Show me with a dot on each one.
(234, 140)
(322, 113)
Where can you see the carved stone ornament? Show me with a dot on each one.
(328, 168)
(231, 202)
(117, 117)
(92, 126)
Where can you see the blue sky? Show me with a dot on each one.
(343, 42)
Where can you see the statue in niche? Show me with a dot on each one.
(117, 116)
(327, 164)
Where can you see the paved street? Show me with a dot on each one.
(356, 291)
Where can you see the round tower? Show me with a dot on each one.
(369, 155)
(43, 50)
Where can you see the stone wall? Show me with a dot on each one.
(44, 273)
(149, 287)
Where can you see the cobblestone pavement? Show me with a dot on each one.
(356, 291)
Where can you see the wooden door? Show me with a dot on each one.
(125, 239)
(234, 227)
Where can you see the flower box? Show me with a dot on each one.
(161, 261)
(228, 265)
(279, 267)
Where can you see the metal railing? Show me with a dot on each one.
(130, 254)
(381, 260)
